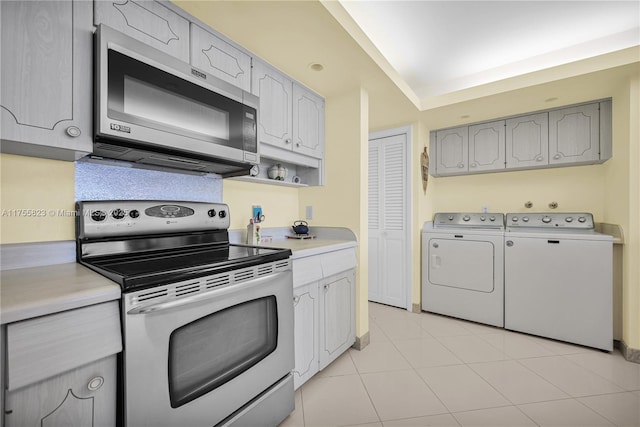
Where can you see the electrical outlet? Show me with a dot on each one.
(309, 212)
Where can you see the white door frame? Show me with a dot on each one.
(408, 132)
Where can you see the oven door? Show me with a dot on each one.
(200, 358)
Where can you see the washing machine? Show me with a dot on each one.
(558, 278)
(462, 266)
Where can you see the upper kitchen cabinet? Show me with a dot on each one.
(486, 146)
(46, 78)
(308, 122)
(452, 151)
(212, 54)
(291, 117)
(574, 134)
(527, 141)
(148, 21)
(275, 91)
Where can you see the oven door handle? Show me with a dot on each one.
(214, 293)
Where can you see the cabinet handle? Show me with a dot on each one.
(473, 165)
(557, 156)
(326, 287)
(287, 141)
(296, 299)
(539, 159)
(297, 144)
(460, 165)
(95, 383)
(73, 131)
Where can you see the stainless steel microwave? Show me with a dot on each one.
(156, 111)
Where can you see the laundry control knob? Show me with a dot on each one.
(466, 218)
(582, 219)
(211, 213)
(118, 214)
(546, 219)
(482, 218)
(525, 219)
(492, 218)
(568, 219)
(450, 217)
(514, 219)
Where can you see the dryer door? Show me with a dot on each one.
(464, 264)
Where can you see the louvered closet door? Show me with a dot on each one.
(388, 220)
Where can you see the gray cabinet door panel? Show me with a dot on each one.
(452, 151)
(486, 146)
(46, 78)
(574, 134)
(527, 141)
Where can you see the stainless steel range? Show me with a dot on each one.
(207, 325)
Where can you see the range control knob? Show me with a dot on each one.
(525, 218)
(466, 218)
(222, 214)
(582, 219)
(98, 216)
(569, 219)
(118, 214)
(212, 213)
(134, 213)
(546, 219)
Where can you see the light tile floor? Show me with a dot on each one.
(430, 370)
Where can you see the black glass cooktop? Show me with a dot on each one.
(138, 271)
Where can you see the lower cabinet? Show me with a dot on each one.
(85, 396)
(61, 368)
(324, 310)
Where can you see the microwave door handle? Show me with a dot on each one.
(215, 293)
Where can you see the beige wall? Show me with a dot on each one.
(40, 187)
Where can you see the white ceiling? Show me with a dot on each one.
(440, 47)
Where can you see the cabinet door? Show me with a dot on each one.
(82, 397)
(305, 306)
(337, 311)
(217, 57)
(527, 141)
(452, 151)
(147, 21)
(308, 122)
(486, 146)
(274, 116)
(574, 134)
(46, 78)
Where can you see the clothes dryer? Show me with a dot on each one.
(462, 266)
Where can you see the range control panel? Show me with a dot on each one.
(469, 220)
(141, 217)
(581, 221)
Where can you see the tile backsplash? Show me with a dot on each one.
(96, 181)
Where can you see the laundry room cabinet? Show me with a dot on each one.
(574, 135)
(46, 78)
(324, 310)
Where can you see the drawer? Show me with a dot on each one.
(306, 270)
(49, 345)
(338, 261)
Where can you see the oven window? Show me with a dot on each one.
(207, 353)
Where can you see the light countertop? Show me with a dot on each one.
(309, 247)
(37, 291)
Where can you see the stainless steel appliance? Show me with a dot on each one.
(462, 266)
(558, 278)
(207, 325)
(157, 111)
